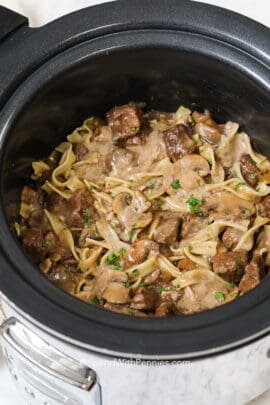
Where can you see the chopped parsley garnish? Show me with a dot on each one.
(194, 204)
(136, 272)
(142, 284)
(87, 217)
(163, 289)
(127, 284)
(131, 232)
(45, 243)
(178, 286)
(202, 214)
(234, 294)
(175, 185)
(113, 260)
(238, 260)
(151, 287)
(159, 202)
(238, 185)
(135, 130)
(151, 186)
(122, 252)
(95, 301)
(219, 296)
(190, 248)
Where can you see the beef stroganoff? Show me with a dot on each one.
(150, 213)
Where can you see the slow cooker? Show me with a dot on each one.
(60, 350)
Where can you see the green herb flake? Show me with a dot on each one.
(159, 202)
(127, 284)
(142, 284)
(122, 252)
(45, 243)
(151, 186)
(178, 286)
(135, 130)
(238, 185)
(151, 287)
(95, 301)
(175, 185)
(131, 232)
(113, 260)
(219, 296)
(234, 294)
(253, 176)
(202, 214)
(136, 272)
(190, 248)
(163, 289)
(87, 217)
(194, 204)
(238, 260)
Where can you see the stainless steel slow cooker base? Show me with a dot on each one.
(48, 370)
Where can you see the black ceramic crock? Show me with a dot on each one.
(164, 53)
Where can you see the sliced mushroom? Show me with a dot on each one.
(193, 169)
(116, 293)
(132, 215)
(107, 277)
(145, 300)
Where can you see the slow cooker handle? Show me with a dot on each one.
(10, 21)
(44, 375)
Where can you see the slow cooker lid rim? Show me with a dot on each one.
(33, 46)
(219, 23)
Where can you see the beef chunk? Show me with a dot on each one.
(249, 170)
(145, 300)
(230, 264)
(80, 151)
(191, 225)
(186, 265)
(33, 244)
(166, 307)
(264, 207)
(167, 229)
(54, 247)
(125, 121)
(231, 237)
(77, 212)
(178, 142)
(64, 276)
(254, 273)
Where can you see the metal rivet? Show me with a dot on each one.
(268, 354)
(29, 392)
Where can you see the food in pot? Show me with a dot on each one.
(150, 213)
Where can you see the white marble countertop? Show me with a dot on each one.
(40, 12)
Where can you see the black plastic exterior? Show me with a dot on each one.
(164, 54)
(10, 22)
